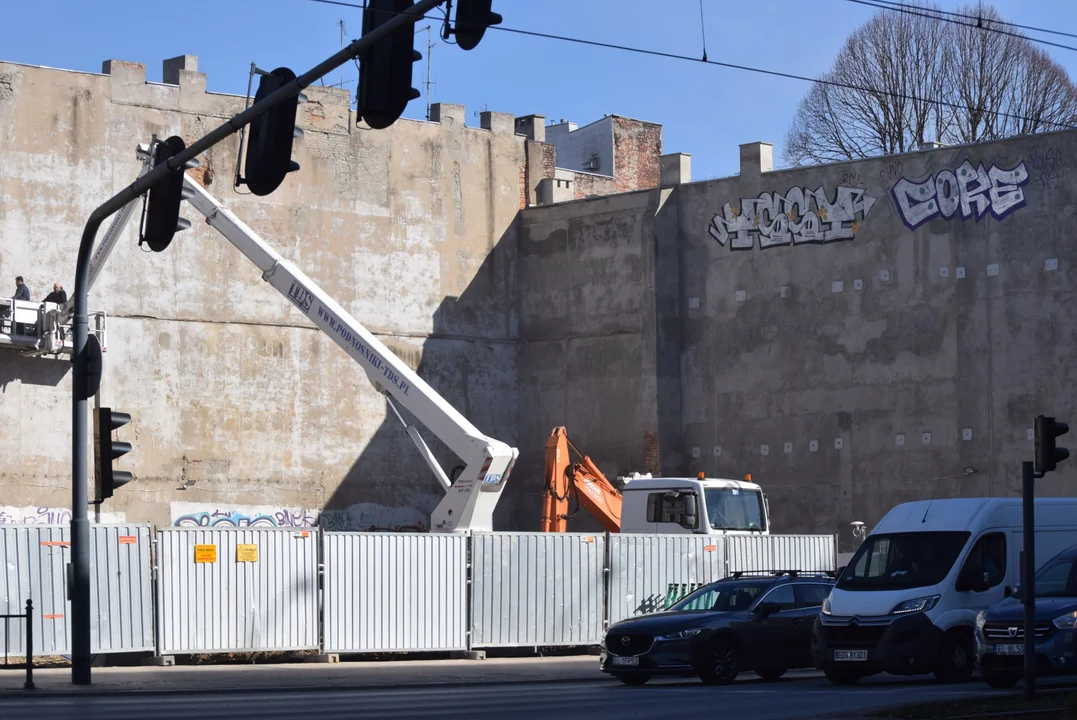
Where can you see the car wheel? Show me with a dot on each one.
(841, 677)
(771, 675)
(1002, 682)
(955, 662)
(720, 663)
(633, 679)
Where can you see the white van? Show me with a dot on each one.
(703, 506)
(907, 602)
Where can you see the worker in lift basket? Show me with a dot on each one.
(22, 292)
(58, 294)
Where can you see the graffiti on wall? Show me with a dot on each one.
(1046, 168)
(966, 190)
(48, 516)
(362, 517)
(798, 217)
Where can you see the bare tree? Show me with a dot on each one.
(883, 93)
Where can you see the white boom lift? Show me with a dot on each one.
(470, 500)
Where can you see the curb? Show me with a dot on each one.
(53, 694)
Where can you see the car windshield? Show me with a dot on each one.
(1058, 578)
(903, 560)
(734, 509)
(724, 596)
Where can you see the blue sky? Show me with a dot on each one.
(706, 111)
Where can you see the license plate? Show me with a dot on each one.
(1010, 649)
(626, 661)
(850, 654)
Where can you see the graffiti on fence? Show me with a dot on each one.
(675, 592)
(48, 516)
(362, 517)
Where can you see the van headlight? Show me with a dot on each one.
(1066, 622)
(980, 620)
(826, 606)
(914, 606)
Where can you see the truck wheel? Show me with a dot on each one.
(720, 663)
(633, 679)
(955, 658)
(841, 677)
(1002, 682)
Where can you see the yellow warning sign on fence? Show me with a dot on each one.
(205, 553)
(246, 553)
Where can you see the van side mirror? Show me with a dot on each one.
(691, 511)
(1008, 591)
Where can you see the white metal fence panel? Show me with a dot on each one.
(35, 561)
(536, 589)
(389, 592)
(783, 552)
(648, 573)
(237, 590)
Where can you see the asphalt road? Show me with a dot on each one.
(805, 697)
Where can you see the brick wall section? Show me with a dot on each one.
(637, 149)
(523, 185)
(588, 185)
(549, 160)
(651, 463)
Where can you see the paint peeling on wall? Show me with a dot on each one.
(800, 216)
(362, 517)
(972, 189)
(49, 516)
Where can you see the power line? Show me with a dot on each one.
(979, 18)
(934, 15)
(745, 68)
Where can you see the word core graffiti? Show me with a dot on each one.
(972, 189)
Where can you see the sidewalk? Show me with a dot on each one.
(246, 678)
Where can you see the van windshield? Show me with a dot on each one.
(734, 509)
(899, 561)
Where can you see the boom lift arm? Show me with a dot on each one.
(581, 479)
(470, 500)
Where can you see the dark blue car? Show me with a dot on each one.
(760, 623)
(1000, 629)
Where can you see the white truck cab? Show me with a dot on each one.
(907, 601)
(704, 506)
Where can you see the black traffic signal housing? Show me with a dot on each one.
(472, 19)
(162, 212)
(1047, 454)
(385, 67)
(270, 136)
(106, 450)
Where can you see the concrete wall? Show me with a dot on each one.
(240, 405)
(901, 351)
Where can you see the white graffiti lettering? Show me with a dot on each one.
(798, 217)
(974, 190)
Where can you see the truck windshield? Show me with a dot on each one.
(899, 561)
(734, 509)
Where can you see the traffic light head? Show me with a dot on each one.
(269, 139)
(162, 211)
(106, 450)
(1048, 455)
(385, 68)
(472, 19)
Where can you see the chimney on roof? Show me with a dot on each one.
(532, 126)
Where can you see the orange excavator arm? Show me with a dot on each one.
(581, 479)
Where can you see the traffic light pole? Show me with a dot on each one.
(1028, 582)
(79, 575)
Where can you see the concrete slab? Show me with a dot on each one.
(306, 676)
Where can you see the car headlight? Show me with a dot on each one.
(980, 620)
(682, 634)
(826, 606)
(914, 606)
(1066, 622)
